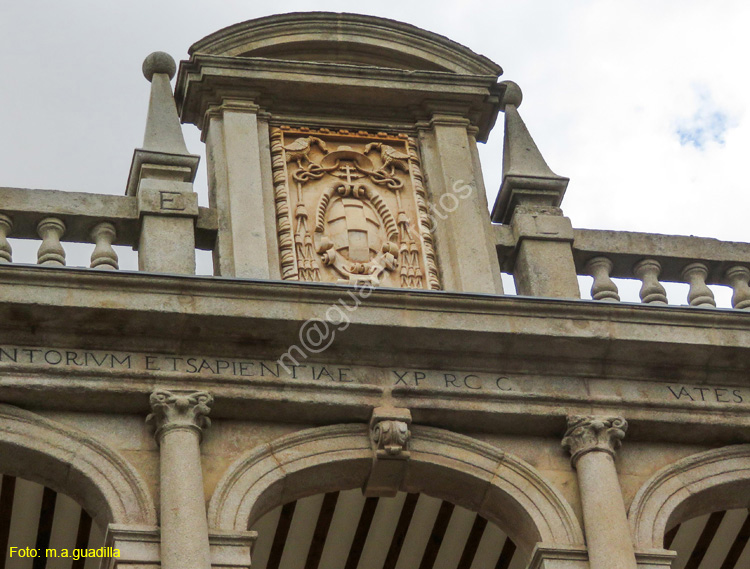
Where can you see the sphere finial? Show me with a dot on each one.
(159, 62)
(512, 95)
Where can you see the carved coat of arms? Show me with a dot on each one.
(351, 208)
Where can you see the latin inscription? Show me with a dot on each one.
(171, 366)
(84, 359)
(171, 201)
(703, 393)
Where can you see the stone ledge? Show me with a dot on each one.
(80, 211)
(474, 331)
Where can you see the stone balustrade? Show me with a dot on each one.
(652, 259)
(56, 217)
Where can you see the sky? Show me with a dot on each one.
(643, 104)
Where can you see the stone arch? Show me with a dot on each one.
(69, 461)
(457, 468)
(709, 481)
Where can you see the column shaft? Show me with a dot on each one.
(592, 442)
(179, 418)
(604, 519)
(184, 529)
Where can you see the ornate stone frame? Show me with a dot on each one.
(284, 215)
(470, 473)
(705, 482)
(71, 462)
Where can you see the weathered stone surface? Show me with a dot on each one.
(329, 385)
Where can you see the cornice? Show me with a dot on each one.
(357, 92)
(141, 284)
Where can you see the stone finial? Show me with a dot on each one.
(159, 62)
(179, 410)
(164, 153)
(163, 131)
(526, 177)
(593, 433)
(512, 94)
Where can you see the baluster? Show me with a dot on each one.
(51, 252)
(652, 292)
(695, 275)
(104, 256)
(738, 277)
(6, 251)
(603, 287)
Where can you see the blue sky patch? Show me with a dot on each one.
(708, 124)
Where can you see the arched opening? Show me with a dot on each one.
(68, 461)
(457, 470)
(36, 517)
(345, 530)
(715, 540)
(698, 507)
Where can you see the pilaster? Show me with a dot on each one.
(241, 189)
(458, 206)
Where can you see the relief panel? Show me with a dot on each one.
(351, 208)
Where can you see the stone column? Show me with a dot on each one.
(179, 419)
(592, 442)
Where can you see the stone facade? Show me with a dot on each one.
(356, 334)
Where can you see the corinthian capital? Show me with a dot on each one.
(589, 434)
(179, 410)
